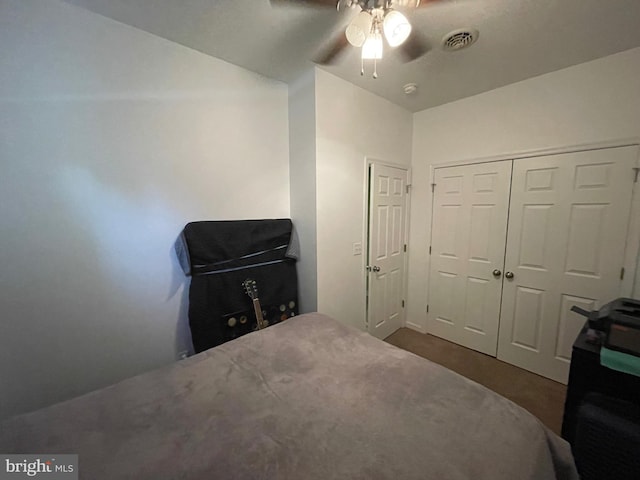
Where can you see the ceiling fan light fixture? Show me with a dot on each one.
(358, 30)
(372, 48)
(396, 28)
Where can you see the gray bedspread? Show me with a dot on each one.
(305, 399)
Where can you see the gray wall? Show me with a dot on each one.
(302, 161)
(112, 139)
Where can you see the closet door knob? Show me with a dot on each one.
(497, 273)
(509, 275)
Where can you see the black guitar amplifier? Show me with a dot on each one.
(221, 257)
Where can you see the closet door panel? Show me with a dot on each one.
(468, 242)
(568, 222)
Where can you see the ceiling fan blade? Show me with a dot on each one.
(312, 3)
(331, 51)
(415, 3)
(414, 47)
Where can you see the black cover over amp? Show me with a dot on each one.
(220, 256)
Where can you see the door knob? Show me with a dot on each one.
(497, 273)
(376, 268)
(509, 275)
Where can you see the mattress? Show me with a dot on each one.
(305, 399)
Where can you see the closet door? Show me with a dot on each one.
(568, 221)
(467, 253)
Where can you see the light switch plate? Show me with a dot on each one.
(357, 248)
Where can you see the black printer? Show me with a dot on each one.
(616, 325)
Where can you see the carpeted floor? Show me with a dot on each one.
(541, 396)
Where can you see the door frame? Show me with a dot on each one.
(631, 265)
(368, 161)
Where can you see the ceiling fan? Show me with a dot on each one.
(375, 21)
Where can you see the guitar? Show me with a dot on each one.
(251, 289)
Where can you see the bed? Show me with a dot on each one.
(305, 399)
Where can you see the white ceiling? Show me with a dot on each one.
(518, 39)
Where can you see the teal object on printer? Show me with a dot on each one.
(618, 324)
(622, 362)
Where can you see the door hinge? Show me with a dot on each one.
(433, 187)
(636, 170)
(405, 247)
(622, 273)
(427, 308)
(402, 303)
(429, 249)
(408, 187)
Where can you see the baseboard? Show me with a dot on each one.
(416, 327)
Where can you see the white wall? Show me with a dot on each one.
(302, 165)
(593, 102)
(111, 139)
(352, 124)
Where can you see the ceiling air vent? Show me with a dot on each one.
(459, 39)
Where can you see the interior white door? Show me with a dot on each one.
(568, 224)
(469, 230)
(387, 213)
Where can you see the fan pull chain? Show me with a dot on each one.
(375, 68)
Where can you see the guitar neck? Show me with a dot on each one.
(258, 311)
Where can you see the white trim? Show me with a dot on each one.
(407, 232)
(632, 249)
(365, 244)
(432, 181)
(416, 327)
(401, 166)
(368, 161)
